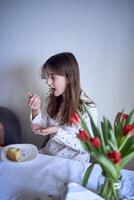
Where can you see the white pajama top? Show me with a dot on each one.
(65, 142)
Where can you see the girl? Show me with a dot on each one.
(61, 73)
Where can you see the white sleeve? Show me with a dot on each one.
(40, 119)
(68, 137)
(43, 119)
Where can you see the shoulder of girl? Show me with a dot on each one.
(84, 98)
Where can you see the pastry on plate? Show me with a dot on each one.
(13, 154)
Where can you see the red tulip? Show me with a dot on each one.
(95, 142)
(128, 129)
(124, 117)
(83, 135)
(115, 156)
(75, 118)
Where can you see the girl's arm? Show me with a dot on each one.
(34, 103)
(41, 119)
(68, 136)
(37, 116)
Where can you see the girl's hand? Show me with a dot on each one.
(34, 102)
(35, 127)
(46, 131)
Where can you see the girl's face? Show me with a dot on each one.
(57, 83)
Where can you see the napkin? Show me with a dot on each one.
(77, 192)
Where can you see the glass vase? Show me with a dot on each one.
(109, 188)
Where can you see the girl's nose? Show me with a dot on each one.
(48, 81)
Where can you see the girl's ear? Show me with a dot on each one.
(69, 79)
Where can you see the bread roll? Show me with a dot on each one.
(13, 154)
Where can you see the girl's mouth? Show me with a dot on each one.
(52, 90)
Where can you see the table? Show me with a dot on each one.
(51, 178)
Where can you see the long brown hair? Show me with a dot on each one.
(64, 64)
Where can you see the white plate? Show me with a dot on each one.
(28, 152)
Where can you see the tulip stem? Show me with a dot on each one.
(124, 142)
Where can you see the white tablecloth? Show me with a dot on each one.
(51, 178)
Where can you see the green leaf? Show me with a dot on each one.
(86, 146)
(128, 147)
(118, 127)
(113, 139)
(100, 134)
(126, 159)
(94, 128)
(87, 174)
(111, 145)
(83, 121)
(130, 119)
(110, 168)
(118, 132)
(128, 151)
(103, 132)
(105, 129)
(108, 134)
(124, 141)
(96, 131)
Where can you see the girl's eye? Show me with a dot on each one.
(52, 77)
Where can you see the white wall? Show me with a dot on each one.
(99, 32)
